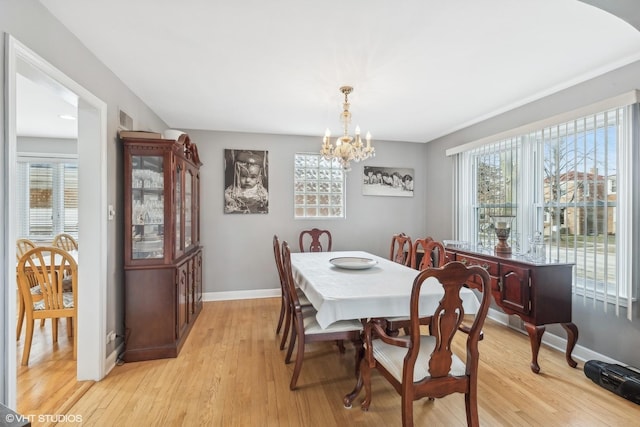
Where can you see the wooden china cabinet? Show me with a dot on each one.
(163, 256)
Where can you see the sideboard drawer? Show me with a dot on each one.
(489, 265)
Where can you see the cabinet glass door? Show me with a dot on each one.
(188, 219)
(196, 208)
(178, 211)
(147, 207)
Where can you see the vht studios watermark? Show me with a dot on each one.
(43, 418)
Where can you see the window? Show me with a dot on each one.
(560, 181)
(47, 197)
(318, 187)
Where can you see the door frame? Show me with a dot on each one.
(92, 218)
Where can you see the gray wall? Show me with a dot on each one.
(32, 25)
(595, 327)
(237, 247)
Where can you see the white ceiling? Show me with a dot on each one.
(39, 109)
(420, 68)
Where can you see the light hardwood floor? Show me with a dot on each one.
(48, 384)
(230, 372)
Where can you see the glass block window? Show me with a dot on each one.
(318, 187)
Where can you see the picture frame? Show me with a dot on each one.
(246, 181)
(388, 181)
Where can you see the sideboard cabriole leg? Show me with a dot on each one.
(535, 337)
(572, 338)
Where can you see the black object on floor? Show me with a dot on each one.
(623, 381)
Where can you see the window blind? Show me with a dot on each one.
(47, 197)
(570, 183)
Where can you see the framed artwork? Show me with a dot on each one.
(386, 181)
(246, 182)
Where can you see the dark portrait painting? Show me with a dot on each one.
(246, 182)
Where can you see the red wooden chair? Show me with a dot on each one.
(427, 253)
(401, 249)
(284, 317)
(429, 249)
(306, 328)
(421, 366)
(316, 238)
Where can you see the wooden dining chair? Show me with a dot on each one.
(47, 266)
(424, 365)
(429, 250)
(285, 317)
(65, 241)
(401, 249)
(318, 240)
(427, 253)
(22, 246)
(307, 330)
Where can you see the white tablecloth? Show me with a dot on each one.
(381, 291)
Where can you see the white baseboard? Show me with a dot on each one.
(231, 295)
(579, 353)
(112, 359)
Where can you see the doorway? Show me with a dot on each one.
(92, 208)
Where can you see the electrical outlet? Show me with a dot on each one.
(111, 336)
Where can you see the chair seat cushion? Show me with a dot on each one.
(392, 358)
(302, 298)
(67, 301)
(398, 319)
(311, 325)
(35, 290)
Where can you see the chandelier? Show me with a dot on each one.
(347, 148)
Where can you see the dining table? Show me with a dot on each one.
(345, 285)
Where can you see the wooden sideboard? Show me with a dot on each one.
(539, 293)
